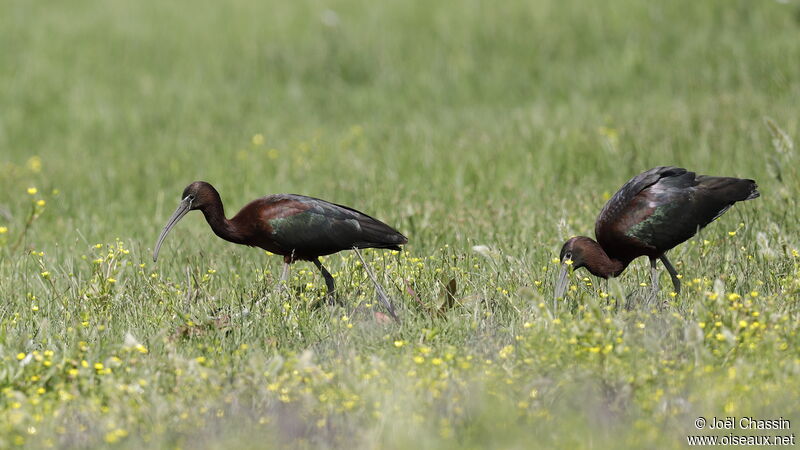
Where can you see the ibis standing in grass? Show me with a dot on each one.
(293, 226)
(652, 213)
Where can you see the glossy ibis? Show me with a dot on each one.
(652, 213)
(293, 226)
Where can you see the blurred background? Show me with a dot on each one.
(426, 114)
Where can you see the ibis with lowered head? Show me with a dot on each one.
(652, 213)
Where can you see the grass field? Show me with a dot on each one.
(502, 125)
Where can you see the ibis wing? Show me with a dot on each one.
(674, 208)
(318, 227)
(621, 202)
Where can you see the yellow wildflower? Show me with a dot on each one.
(34, 164)
(114, 436)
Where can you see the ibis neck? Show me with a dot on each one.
(222, 227)
(597, 261)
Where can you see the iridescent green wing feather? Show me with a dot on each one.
(330, 227)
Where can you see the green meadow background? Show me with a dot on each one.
(487, 132)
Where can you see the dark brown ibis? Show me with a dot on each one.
(652, 213)
(293, 226)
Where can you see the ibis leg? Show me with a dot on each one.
(280, 286)
(282, 283)
(328, 281)
(653, 281)
(381, 293)
(672, 273)
(285, 273)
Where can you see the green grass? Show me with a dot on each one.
(462, 123)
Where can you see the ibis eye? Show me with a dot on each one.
(568, 255)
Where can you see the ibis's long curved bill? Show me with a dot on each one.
(184, 207)
(561, 282)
